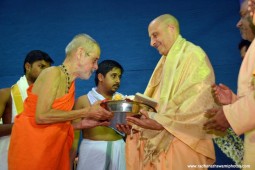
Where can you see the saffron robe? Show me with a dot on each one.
(40, 147)
(181, 83)
(241, 113)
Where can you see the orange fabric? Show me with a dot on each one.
(41, 147)
(178, 157)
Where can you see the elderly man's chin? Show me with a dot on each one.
(90, 74)
(86, 77)
(162, 51)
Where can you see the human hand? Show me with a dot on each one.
(97, 112)
(90, 123)
(222, 94)
(216, 120)
(125, 128)
(145, 121)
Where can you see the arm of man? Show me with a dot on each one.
(88, 122)
(5, 112)
(47, 89)
(81, 102)
(240, 114)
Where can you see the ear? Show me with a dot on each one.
(27, 66)
(80, 52)
(171, 27)
(100, 77)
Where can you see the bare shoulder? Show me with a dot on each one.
(5, 104)
(82, 102)
(52, 71)
(48, 76)
(5, 94)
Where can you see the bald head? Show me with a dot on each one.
(166, 20)
(82, 55)
(82, 40)
(163, 32)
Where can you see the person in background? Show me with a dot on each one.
(238, 110)
(231, 144)
(43, 133)
(11, 100)
(102, 147)
(173, 138)
(245, 25)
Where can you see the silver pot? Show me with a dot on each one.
(132, 108)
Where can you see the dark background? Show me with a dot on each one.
(120, 27)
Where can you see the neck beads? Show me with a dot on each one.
(68, 83)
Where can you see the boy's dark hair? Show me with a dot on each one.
(105, 66)
(244, 43)
(36, 55)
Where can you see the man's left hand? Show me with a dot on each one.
(145, 121)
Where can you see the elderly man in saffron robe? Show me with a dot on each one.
(43, 133)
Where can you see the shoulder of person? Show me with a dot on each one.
(82, 97)
(52, 71)
(5, 92)
(49, 75)
(82, 102)
(5, 97)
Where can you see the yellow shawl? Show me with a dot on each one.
(181, 82)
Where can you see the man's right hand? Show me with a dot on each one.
(97, 112)
(222, 94)
(125, 128)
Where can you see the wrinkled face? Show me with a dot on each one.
(245, 23)
(161, 37)
(88, 64)
(111, 81)
(33, 71)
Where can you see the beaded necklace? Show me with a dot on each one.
(68, 83)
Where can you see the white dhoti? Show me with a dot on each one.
(101, 155)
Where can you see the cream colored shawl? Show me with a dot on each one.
(181, 82)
